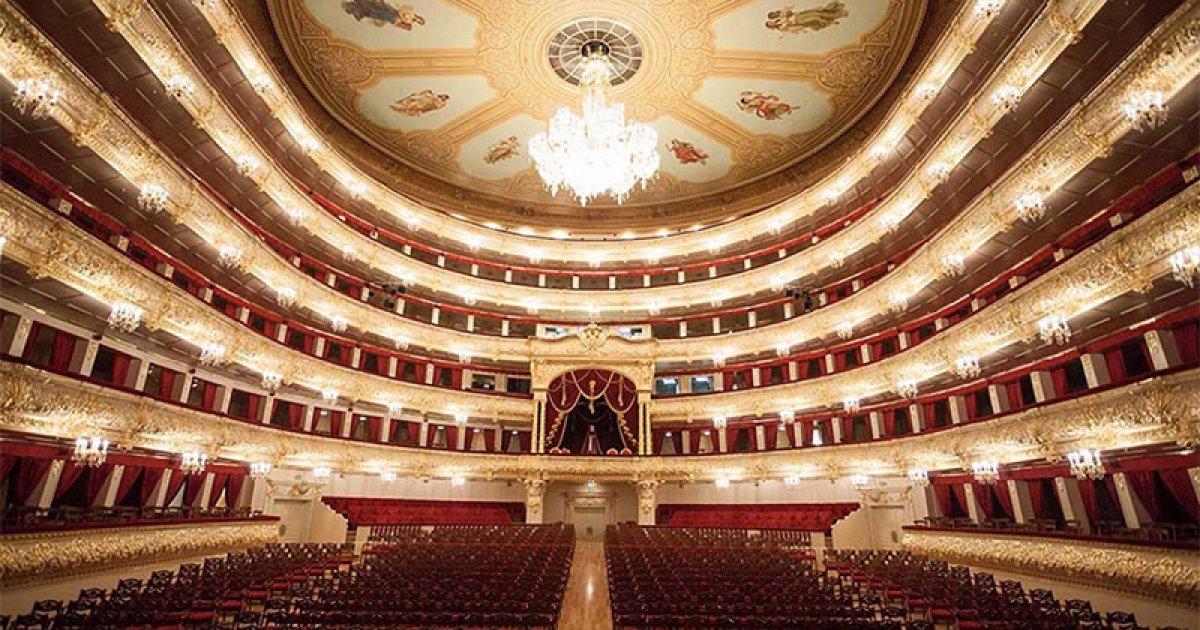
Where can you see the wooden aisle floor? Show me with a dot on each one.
(585, 604)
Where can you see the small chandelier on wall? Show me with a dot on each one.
(193, 462)
(1086, 464)
(90, 452)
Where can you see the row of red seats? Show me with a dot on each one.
(371, 511)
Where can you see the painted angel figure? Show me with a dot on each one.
(765, 106)
(383, 13)
(687, 153)
(421, 102)
(502, 150)
(789, 21)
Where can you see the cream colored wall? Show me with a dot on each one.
(434, 489)
(622, 505)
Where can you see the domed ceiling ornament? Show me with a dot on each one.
(597, 152)
(739, 93)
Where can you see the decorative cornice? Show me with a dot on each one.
(1171, 575)
(1154, 411)
(41, 557)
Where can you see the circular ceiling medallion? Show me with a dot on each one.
(571, 44)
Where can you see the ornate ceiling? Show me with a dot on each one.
(737, 89)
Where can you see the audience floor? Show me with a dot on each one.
(585, 604)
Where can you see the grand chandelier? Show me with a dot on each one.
(596, 153)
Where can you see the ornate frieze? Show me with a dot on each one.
(35, 557)
(1160, 573)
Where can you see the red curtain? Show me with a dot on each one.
(1036, 496)
(1142, 484)
(120, 371)
(7, 462)
(150, 479)
(191, 488)
(983, 498)
(414, 433)
(173, 485)
(335, 423)
(769, 433)
(63, 348)
(1004, 498)
(941, 493)
(1087, 495)
(218, 485)
(1059, 377)
(70, 473)
(659, 436)
(1116, 365)
(128, 477)
(567, 390)
(960, 493)
(295, 415)
(254, 400)
(489, 440)
(1013, 390)
(816, 517)
(95, 482)
(1186, 339)
(1179, 484)
(233, 490)
(972, 408)
(526, 439)
(166, 382)
(208, 396)
(30, 472)
(694, 441)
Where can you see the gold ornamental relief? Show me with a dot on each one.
(454, 93)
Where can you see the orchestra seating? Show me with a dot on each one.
(464, 577)
(375, 512)
(721, 578)
(809, 517)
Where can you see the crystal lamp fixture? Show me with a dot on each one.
(1146, 109)
(1185, 265)
(1086, 464)
(90, 452)
(907, 389)
(125, 317)
(152, 198)
(852, 405)
(259, 470)
(1054, 329)
(212, 354)
(986, 472)
(35, 97)
(193, 462)
(919, 477)
(967, 367)
(271, 381)
(596, 153)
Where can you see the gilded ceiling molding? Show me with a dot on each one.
(40, 557)
(1163, 61)
(958, 42)
(1037, 49)
(1155, 411)
(1129, 260)
(1172, 575)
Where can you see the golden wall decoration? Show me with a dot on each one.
(1155, 411)
(35, 557)
(1152, 572)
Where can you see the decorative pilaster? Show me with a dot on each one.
(647, 493)
(535, 495)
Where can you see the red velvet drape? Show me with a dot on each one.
(1087, 495)
(218, 485)
(120, 371)
(30, 472)
(960, 493)
(63, 348)
(7, 463)
(983, 498)
(1036, 496)
(191, 488)
(233, 490)
(1004, 498)
(70, 473)
(95, 482)
(1187, 340)
(173, 485)
(295, 416)
(166, 382)
(128, 477)
(941, 493)
(150, 480)
(1142, 484)
(567, 390)
(1179, 484)
(1116, 365)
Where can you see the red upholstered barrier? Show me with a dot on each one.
(371, 511)
(811, 517)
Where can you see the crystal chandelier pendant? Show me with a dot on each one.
(596, 153)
